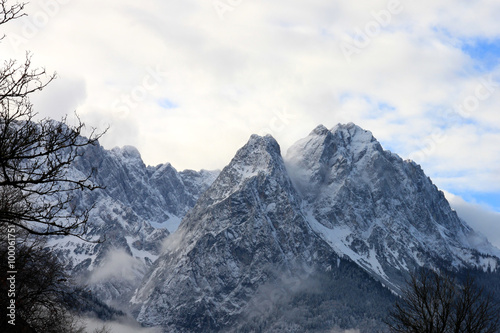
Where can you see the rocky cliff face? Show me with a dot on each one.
(315, 241)
(137, 209)
(244, 230)
(382, 212)
(315, 233)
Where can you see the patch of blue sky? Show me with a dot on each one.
(376, 105)
(385, 107)
(484, 52)
(448, 116)
(491, 200)
(345, 96)
(165, 103)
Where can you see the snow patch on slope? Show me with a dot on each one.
(339, 239)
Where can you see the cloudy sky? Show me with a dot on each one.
(188, 81)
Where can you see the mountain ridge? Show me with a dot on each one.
(135, 211)
(259, 199)
(336, 224)
(359, 183)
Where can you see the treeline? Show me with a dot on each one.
(343, 298)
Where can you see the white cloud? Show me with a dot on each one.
(345, 331)
(118, 264)
(479, 217)
(229, 77)
(61, 97)
(119, 326)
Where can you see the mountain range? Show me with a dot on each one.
(316, 240)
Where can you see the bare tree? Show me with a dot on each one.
(103, 329)
(36, 192)
(42, 289)
(437, 303)
(10, 12)
(38, 196)
(475, 311)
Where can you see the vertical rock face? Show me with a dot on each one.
(155, 193)
(137, 209)
(308, 243)
(311, 237)
(245, 230)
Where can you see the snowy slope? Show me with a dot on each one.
(245, 231)
(305, 243)
(378, 210)
(340, 214)
(137, 209)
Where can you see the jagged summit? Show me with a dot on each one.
(256, 164)
(346, 130)
(134, 212)
(261, 155)
(377, 209)
(319, 130)
(353, 135)
(128, 152)
(350, 140)
(245, 230)
(325, 157)
(258, 152)
(341, 201)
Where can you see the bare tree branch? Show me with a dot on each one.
(10, 12)
(437, 303)
(41, 290)
(37, 193)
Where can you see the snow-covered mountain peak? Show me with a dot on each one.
(348, 141)
(394, 215)
(352, 208)
(162, 169)
(127, 152)
(353, 130)
(325, 157)
(257, 145)
(245, 231)
(135, 211)
(355, 140)
(319, 130)
(260, 156)
(259, 153)
(315, 144)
